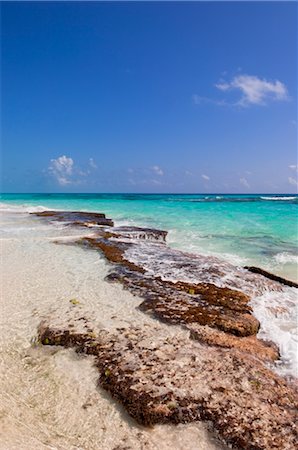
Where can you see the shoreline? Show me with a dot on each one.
(242, 236)
(160, 371)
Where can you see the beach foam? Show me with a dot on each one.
(284, 258)
(23, 208)
(280, 198)
(278, 313)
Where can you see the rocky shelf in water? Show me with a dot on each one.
(77, 218)
(219, 372)
(271, 276)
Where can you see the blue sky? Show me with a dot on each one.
(149, 97)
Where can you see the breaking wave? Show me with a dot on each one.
(8, 207)
(281, 198)
(285, 258)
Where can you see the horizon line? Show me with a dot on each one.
(147, 193)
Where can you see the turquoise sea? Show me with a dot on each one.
(257, 229)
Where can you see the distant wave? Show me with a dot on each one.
(279, 198)
(224, 199)
(284, 258)
(10, 207)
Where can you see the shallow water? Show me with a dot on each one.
(259, 230)
(48, 396)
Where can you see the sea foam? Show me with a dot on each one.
(281, 198)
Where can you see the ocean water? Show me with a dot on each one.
(259, 230)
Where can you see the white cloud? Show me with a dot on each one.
(244, 182)
(157, 170)
(92, 163)
(205, 177)
(294, 167)
(62, 169)
(293, 181)
(223, 86)
(66, 172)
(254, 90)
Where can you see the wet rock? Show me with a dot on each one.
(114, 252)
(263, 350)
(148, 234)
(249, 406)
(76, 218)
(271, 276)
(181, 303)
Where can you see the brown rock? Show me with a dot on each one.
(249, 405)
(76, 218)
(271, 276)
(263, 350)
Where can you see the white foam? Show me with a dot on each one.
(174, 265)
(10, 207)
(278, 198)
(284, 258)
(277, 313)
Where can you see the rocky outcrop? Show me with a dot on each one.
(76, 218)
(271, 276)
(176, 380)
(219, 371)
(148, 234)
(183, 303)
(113, 251)
(264, 350)
(215, 315)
